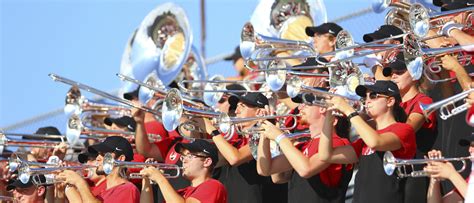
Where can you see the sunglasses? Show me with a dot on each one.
(375, 95)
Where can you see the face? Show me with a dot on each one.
(245, 111)
(31, 194)
(239, 66)
(223, 106)
(377, 104)
(384, 53)
(403, 80)
(194, 163)
(93, 175)
(324, 42)
(41, 153)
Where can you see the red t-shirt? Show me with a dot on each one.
(97, 189)
(211, 191)
(123, 193)
(289, 122)
(331, 176)
(403, 131)
(413, 106)
(136, 158)
(157, 128)
(470, 116)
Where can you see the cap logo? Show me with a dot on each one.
(259, 102)
(205, 151)
(389, 89)
(330, 31)
(118, 149)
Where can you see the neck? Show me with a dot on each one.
(409, 93)
(200, 179)
(114, 179)
(315, 128)
(384, 121)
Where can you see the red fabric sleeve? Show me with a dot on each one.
(406, 134)
(358, 145)
(431, 120)
(126, 193)
(210, 191)
(164, 145)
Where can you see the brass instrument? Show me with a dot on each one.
(406, 167)
(5, 142)
(447, 107)
(14, 161)
(25, 172)
(274, 148)
(109, 163)
(75, 128)
(226, 122)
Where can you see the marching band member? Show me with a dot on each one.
(425, 128)
(439, 171)
(242, 181)
(117, 187)
(312, 179)
(199, 159)
(324, 37)
(29, 192)
(390, 133)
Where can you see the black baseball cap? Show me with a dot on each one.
(385, 87)
(233, 99)
(449, 6)
(324, 28)
(236, 55)
(131, 95)
(383, 32)
(85, 156)
(18, 184)
(255, 99)
(308, 97)
(397, 65)
(116, 144)
(124, 121)
(467, 140)
(199, 146)
(48, 130)
(311, 62)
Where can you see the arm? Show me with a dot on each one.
(72, 194)
(461, 37)
(434, 192)
(281, 178)
(146, 195)
(169, 194)
(233, 155)
(340, 155)
(450, 63)
(75, 179)
(415, 120)
(265, 164)
(142, 142)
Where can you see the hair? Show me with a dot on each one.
(343, 127)
(399, 113)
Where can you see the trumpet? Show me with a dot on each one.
(447, 107)
(226, 123)
(379, 6)
(5, 142)
(109, 163)
(274, 148)
(405, 167)
(25, 172)
(173, 109)
(77, 104)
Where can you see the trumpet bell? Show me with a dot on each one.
(172, 110)
(247, 40)
(225, 123)
(73, 130)
(419, 20)
(146, 94)
(108, 163)
(24, 173)
(210, 96)
(389, 163)
(276, 78)
(293, 86)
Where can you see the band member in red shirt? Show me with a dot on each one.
(118, 188)
(390, 133)
(199, 159)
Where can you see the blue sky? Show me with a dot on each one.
(84, 40)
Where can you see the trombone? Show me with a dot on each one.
(14, 161)
(174, 107)
(406, 167)
(77, 104)
(295, 86)
(5, 142)
(110, 163)
(421, 21)
(75, 128)
(58, 78)
(448, 106)
(274, 148)
(25, 172)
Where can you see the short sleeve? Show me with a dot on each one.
(423, 99)
(210, 191)
(406, 134)
(358, 145)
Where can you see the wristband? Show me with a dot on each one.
(279, 138)
(351, 115)
(215, 133)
